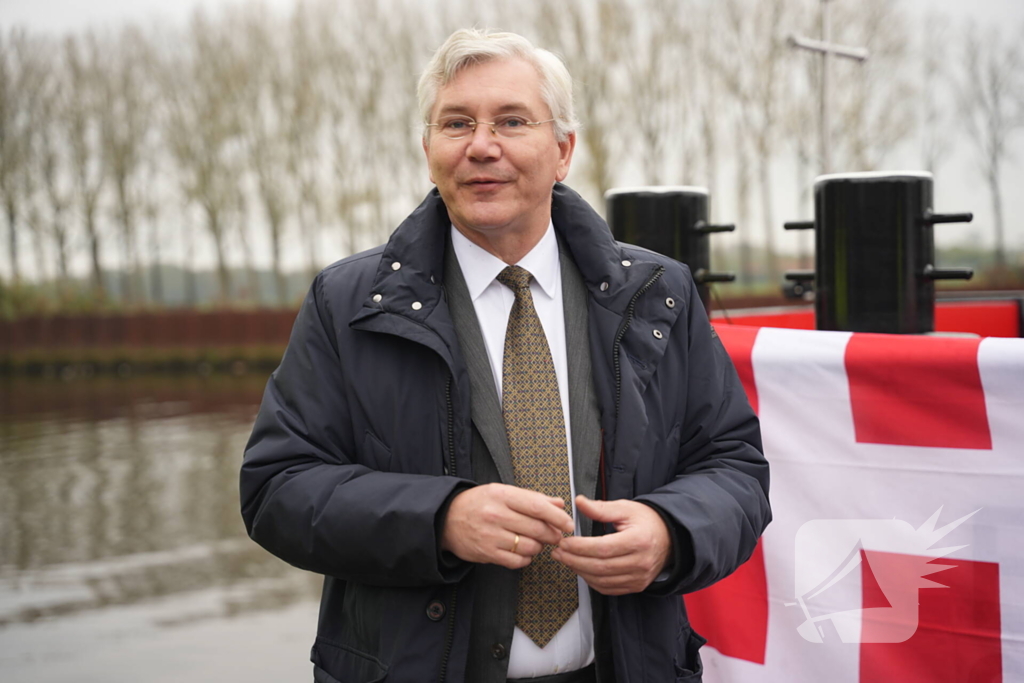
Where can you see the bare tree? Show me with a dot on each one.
(155, 174)
(51, 165)
(21, 76)
(126, 134)
(704, 89)
(355, 73)
(990, 95)
(88, 163)
(303, 104)
(654, 85)
(403, 153)
(741, 159)
(12, 156)
(35, 221)
(798, 127)
(875, 101)
(202, 131)
(592, 36)
(264, 125)
(242, 226)
(936, 140)
(752, 69)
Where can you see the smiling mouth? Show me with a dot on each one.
(488, 184)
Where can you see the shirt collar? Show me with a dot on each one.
(480, 267)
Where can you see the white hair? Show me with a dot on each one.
(467, 47)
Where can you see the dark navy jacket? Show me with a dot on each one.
(364, 434)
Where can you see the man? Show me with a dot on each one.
(445, 397)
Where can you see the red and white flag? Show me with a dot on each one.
(897, 488)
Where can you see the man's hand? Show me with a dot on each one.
(620, 563)
(483, 523)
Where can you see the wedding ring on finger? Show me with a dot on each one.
(515, 544)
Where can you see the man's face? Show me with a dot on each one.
(494, 185)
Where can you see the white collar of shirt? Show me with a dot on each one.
(480, 267)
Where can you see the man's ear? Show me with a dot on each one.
(565, 150)
(426, 152)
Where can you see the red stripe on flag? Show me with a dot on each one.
(917, 391)
(733, 613)
(958, 637)
(739, 343)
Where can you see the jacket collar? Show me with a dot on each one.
(410, 272)
(601, 260)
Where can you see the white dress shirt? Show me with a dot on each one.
(573, 646)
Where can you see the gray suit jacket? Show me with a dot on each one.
(494, 608)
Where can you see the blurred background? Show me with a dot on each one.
(172, 175)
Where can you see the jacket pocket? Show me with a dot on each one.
(376, 454)
(335, 663)
(689, 668)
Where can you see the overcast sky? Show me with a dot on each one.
(64, 15)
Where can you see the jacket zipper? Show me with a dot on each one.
(616, 351)
(451, 471)
(450, 635)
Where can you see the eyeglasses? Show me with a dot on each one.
(511, 126)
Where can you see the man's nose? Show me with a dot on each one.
(483, 143)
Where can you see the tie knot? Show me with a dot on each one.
(515, 278)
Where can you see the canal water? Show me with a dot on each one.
(122, 553)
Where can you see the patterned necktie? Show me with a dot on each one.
(540, 458)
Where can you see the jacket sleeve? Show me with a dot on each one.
(306, 500)
(717, 504)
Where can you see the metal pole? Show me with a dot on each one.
(827, 50)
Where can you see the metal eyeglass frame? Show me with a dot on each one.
(473, 123)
